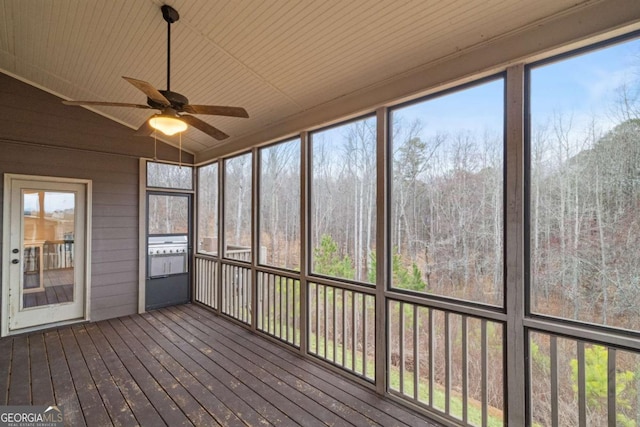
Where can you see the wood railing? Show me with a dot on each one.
(580, 382)
(53, 254)
(342, 328)
(448, 362)
(206, 281)
(236, 292)
(278, 307)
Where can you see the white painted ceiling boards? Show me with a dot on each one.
(279, 59)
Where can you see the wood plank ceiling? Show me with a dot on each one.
(275, 58)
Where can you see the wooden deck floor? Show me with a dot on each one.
(182, 366)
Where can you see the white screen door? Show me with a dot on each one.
(45, 262)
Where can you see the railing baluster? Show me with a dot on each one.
(280, 294)
(415, 352)
(325, 333)
(364, 335)
(273, 308)
(206, 281)
(465, 369)
(582, 386)
(611, 386)
(431, 356)
(204, 285)
(317, 319)
(344, 327)
(401, 329)
(284, 336)
(353, 330)
(485, 372)
(553, 366)
(447, 364)
(335, 341)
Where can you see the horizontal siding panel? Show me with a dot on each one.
(102, 209)
(121, 278)
(106, 187)
(124, 309)
(99, 257)
(114, 234)
(98, 245)
(117, 266)
(114, 222)
(100, 292)
(113, 301)
(116, 199)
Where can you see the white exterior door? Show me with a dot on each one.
(45, 252)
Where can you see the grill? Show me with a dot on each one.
(167, 255)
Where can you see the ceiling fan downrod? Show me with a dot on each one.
(170, 15)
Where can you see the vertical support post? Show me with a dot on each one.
(221, 237)
(255, 233)
(382, 167)
(142, 234)
(515, 398)
(305, 170)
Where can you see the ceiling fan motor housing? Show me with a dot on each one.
(176, 99)
(169, 14)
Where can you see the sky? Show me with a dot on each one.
(582, 87)
(53, 201)
(585, 87)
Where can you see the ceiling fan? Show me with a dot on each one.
(172, 105)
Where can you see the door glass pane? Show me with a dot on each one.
(48, 249)
(168, 214)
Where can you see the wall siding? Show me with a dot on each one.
(40, 136)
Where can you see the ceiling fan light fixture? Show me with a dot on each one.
(167, 124)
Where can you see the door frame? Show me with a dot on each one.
(6, 252)
(190, 233)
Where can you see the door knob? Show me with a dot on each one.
(15, 251)
(15, 261)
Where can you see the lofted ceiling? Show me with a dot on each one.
(278, 59)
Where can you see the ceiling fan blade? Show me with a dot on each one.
(216, 110)
(106, 104)
(204, 127)
(149, 90)
(145, 129)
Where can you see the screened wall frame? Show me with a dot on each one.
(515, 317)
(618, 346)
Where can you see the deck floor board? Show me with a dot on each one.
(182, 366)
(63, 387)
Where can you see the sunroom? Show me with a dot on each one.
(429, 216)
